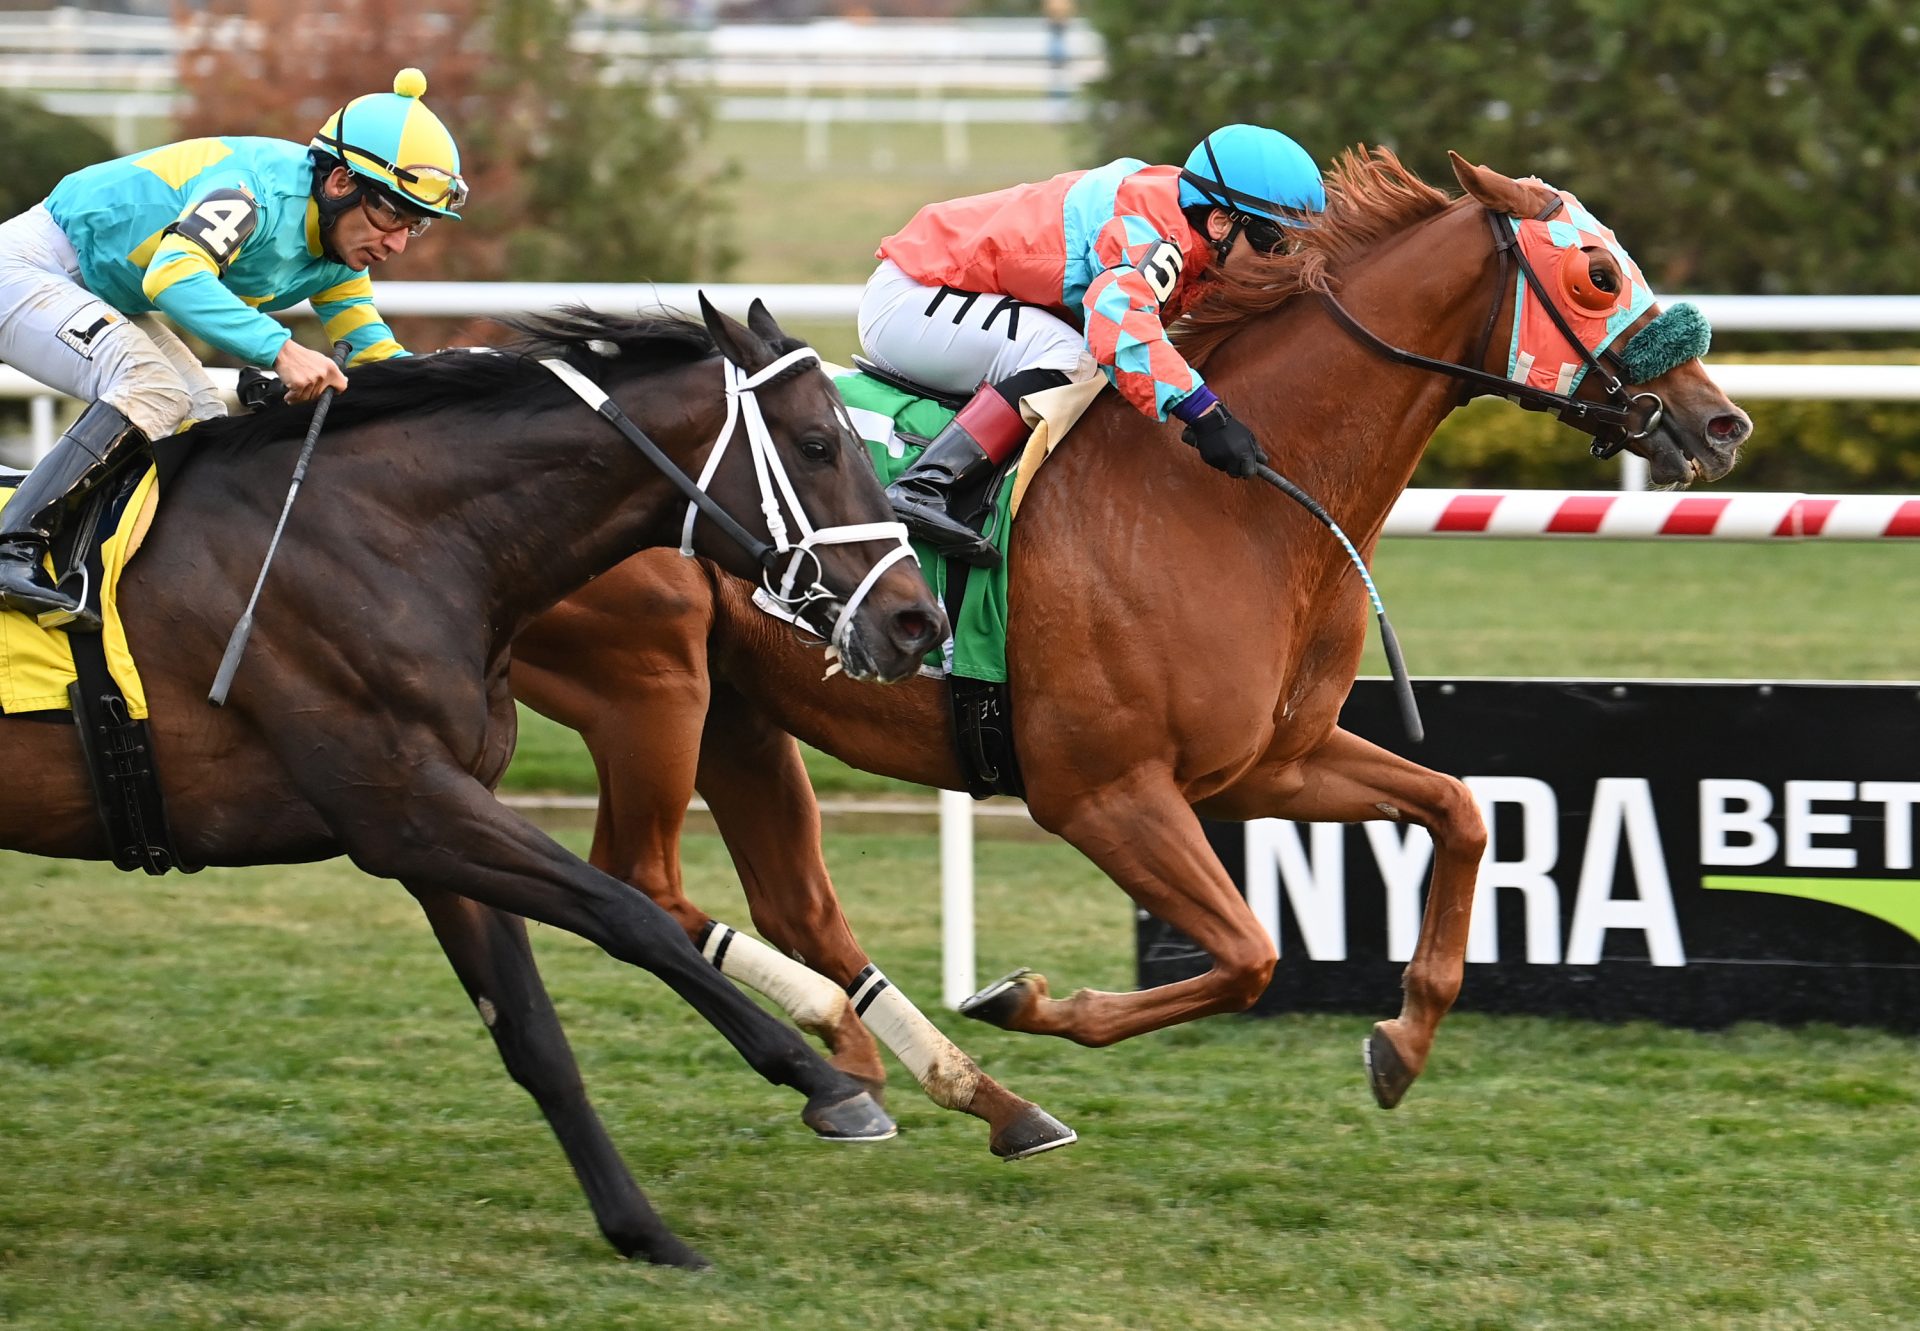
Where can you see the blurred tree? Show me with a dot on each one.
(41, 148)
(1735, 145)
(573, 176)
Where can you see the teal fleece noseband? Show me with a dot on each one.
(1679, 335)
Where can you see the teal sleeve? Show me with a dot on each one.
(201, 306)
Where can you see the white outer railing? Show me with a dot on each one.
(838, 303)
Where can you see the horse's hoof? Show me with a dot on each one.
(1033, 1132)
(999, 1002)
(675, 1253)
(1387, 1072)
(854, 1119)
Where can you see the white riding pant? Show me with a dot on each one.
(55, 330)
(957, 340)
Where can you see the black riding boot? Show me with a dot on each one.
(979, 437)
(85, 456)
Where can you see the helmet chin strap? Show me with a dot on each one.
(329, 207)
(1219, 194)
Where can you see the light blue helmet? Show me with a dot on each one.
(1251, 169)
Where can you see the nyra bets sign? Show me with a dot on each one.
(1693, 853)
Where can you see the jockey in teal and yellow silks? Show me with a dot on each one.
(212, 233)
(1008, 293)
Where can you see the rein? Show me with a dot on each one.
(776, 493)
(1620, 420)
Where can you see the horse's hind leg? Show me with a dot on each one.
(1348, 780)
(757, 788)
(490, 954)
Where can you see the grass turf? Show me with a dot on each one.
(257, 1098)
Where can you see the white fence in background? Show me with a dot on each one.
(952, 72)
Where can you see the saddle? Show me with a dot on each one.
(92, 675)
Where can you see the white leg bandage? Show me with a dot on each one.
(812, 1000)
(948, 1076)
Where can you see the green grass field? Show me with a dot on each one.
(258, 1099)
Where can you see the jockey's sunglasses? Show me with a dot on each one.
(388, 216)
(1263, 233)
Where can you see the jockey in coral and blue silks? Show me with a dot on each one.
(1078, 245)
(1013, 292)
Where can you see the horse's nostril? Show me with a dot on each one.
(1728, 429)
(912, 628)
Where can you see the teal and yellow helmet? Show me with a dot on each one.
(394, 143)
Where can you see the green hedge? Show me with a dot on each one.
(41, 147)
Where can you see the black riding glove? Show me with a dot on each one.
(1225, 443)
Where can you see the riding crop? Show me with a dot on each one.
(1402, 686)
(242, 631)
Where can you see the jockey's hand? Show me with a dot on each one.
(306, 372)
(1224, 442)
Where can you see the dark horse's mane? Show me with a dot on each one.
(1370, 195)
(495, 380)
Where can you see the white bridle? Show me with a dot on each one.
(777, 492)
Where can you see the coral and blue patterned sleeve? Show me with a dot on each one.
(1140, 269)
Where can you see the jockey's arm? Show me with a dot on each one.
(183, 278)
(347, 312)
(1140, 271)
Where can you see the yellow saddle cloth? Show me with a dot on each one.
(36, 664)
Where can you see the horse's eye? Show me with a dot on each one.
(1601, 274)
(816, 449)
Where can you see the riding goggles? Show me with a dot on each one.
(431, 186)
(386, 213)
(1263, 233)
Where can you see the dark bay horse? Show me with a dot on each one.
(452, 499)
(1180, 643)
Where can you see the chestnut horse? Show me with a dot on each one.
(454, 498)
(1180, 643)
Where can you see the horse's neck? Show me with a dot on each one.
(586, 498)
(1339, 419)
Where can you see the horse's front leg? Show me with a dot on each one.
(1348, 780)
(1140, 830)
(439, 829)
(757, 787)
(636, 687)
(490, 954)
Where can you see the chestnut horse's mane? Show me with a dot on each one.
(1370, 195)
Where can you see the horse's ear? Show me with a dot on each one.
(737, 343)
(1515, 198)
(760, 319)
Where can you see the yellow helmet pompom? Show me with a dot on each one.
(410, 83)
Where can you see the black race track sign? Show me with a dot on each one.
(1687, 852)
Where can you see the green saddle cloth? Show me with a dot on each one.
(885, 416)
